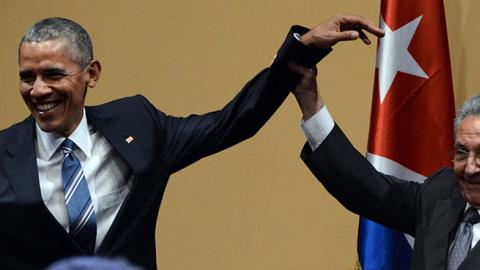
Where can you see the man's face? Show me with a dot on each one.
(53, 85)
(467, 169)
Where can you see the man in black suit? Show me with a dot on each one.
(433, 212)
(89, 180)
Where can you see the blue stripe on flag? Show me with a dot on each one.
(380, 248)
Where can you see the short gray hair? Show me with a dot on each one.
(471, 107)
(77, 39)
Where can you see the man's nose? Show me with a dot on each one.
(471, 165)
(40, 88)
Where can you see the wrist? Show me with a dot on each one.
(306, 39)
(309, 105)
(308, 112)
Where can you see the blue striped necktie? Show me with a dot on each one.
(81, 214)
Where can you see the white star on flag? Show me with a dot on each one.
(393, 55)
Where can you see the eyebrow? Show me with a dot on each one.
(54, 70)
(47, 71)
(460, 146)
(25, 73)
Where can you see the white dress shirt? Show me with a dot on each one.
(108, 177)
(317, 128)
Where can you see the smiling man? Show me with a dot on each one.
(88, 180)
(442, 213)
(467, 151)
(54, 85)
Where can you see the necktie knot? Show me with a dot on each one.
(67, 146)
(471, 216)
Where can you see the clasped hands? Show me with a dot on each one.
(327, 34)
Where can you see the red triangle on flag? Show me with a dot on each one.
(413, 123)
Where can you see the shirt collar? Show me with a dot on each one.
(49, 142)
(468, 206)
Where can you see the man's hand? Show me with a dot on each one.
(306, 91)
(325, 35)
(340, 28)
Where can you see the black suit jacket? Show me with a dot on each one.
(31, 238)
(430, 211)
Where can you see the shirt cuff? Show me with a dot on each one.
(317, 127)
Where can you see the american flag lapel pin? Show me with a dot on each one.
(129, 139)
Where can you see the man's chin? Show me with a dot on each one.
(48, 127)
(474, 203)
(471, 193)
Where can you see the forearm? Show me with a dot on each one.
(356, 184)
(262, 96)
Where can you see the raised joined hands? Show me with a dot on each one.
(340, 28)
(330, 32)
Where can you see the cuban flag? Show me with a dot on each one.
(411, 125)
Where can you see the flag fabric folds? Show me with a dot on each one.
(411, 125)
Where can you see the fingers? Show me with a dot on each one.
(352, 27)
(364, 37)
(306, 91)
(360, 23)
(347, 35)
(297, 68)
(306, 72)
(340, 28)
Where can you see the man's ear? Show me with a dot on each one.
(93, 73)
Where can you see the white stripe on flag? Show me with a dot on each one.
(390, 167)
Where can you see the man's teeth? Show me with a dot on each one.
(46, 106)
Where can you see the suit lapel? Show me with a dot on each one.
(442, 229)
(22, 173)
(120, 137)
(22, 165)
(472, 261)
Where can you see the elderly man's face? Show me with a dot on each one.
(467, 169)
(53, 85)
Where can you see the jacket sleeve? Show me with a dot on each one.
(185, 140)
(358, 186)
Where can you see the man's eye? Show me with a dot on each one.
(54, 76)
(27, 79)
(459, 153)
